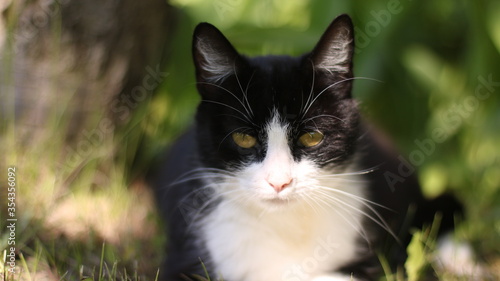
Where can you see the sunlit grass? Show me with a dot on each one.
(84, 223)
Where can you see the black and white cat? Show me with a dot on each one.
(279, 178)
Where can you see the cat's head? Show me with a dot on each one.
(275, 124)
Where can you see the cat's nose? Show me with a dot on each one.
(279, 185)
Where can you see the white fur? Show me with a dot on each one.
(277, 167)
(338, 56)
(217, 65)
(333, 277)
(259, 234)
(458, 258)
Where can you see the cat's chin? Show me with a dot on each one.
(277, 202)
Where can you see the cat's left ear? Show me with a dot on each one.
(214, 57)
(334, 51)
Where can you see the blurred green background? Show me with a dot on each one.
(434, 90)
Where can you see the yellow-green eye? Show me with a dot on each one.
(244, 140)
(311, 139)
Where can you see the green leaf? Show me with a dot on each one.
(416, 262)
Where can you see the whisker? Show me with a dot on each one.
(309, 105)
(356, 197)
(307, 196)
(378, 219)
(199, 172)
(233, 95)
(230, 107)
(344, 206)
(330, 160)
(248, 108)
(322, 91)
(244, 120)
(320, 116)
(311, 92)
(360, 172)
(218, 195)
(356, 226)
(340, 180)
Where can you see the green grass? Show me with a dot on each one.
(78, 224)
(64, 265)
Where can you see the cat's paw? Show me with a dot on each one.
(334, 277)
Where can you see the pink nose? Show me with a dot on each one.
(280, 185)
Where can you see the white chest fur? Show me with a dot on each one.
(299, 243)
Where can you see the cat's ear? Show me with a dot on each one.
(334, 51)
(214, 56)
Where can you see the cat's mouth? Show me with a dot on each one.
(279, 200)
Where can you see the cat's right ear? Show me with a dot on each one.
(214, 57)
(334, 51)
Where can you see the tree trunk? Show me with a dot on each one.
(78, 63)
